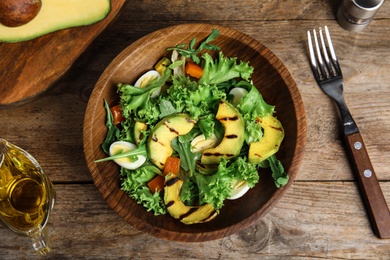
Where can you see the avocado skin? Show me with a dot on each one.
(270, 143)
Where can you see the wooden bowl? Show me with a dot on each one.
(275, 84)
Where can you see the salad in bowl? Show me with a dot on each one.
(192, 132)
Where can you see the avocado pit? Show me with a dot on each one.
(14, 13)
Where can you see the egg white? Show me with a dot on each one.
(239, 191)
(146, 78)
(238, 94)
(124, 146)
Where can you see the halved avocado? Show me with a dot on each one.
(233, 138)
(56, 15)
(270, 143)
(177, 209)
(159, 141)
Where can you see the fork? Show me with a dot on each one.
(327, 72)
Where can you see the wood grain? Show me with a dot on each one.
(321, 216)
(313, 221)
(31, 67)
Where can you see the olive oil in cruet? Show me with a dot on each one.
(26, 195)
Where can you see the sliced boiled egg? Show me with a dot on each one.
(128, 163)
(145, 79)
(200, 143)
(239, 189)
(238, 94)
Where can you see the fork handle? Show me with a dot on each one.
(371, 191)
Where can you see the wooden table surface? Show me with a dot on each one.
(321, 215)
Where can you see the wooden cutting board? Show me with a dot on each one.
(29, 68)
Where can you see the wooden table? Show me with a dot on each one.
(321, 216)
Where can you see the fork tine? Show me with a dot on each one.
(332, 51)
(313, 60)
(319, 56)
(323, 57)
(325, 53)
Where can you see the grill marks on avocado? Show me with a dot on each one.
(229, 119)
(234, 135)
(271, 141)
(159, 142)
(178, 210)
(171, 129)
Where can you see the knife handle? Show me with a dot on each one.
(371, 191)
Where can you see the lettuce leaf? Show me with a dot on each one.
(214, 189)
(223, 69)
(134, 183)
(252, 106)
(137, 102)
(253, 103)
(189, 193)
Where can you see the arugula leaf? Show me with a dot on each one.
(278, 174)
(182, 145)
(112, 131)
(192, 52)
(141, 150)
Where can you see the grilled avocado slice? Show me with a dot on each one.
(270, 143)
(177, 209)
(233, 138)
(159, 141)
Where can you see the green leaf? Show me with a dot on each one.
(280, 177)
(223, 69)
(182, 146)
(112, 131)
(141, 150)
(253, 103)
(191, 52)
(134, 183)
(189, 193)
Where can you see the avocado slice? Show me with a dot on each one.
(159, 141)
(177, 209)
(139, 128)
(270, 143)
(233, 138)
(56, 15)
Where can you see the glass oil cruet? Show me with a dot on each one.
(26, 196)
